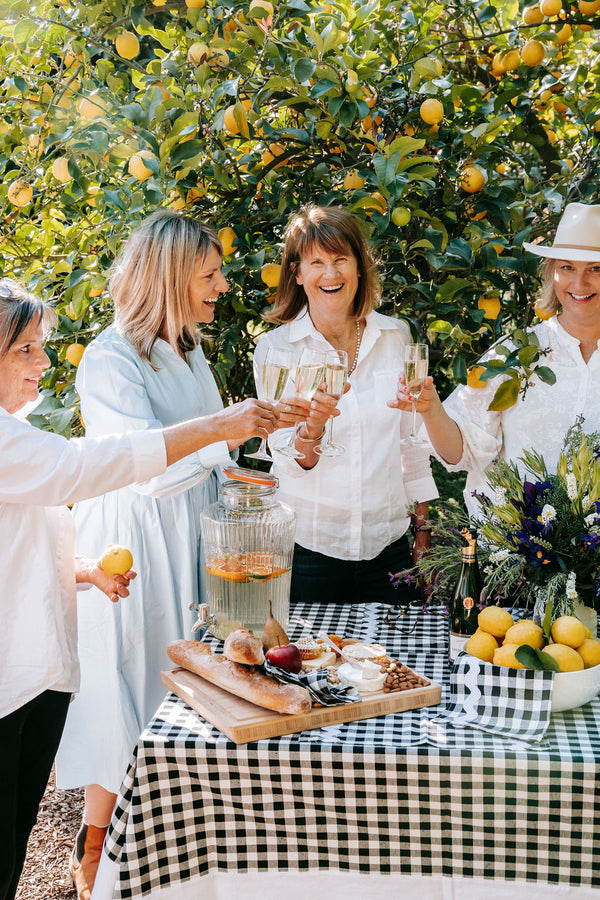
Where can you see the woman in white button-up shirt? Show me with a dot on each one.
(352, 510)
(466, 434)
(40, 473)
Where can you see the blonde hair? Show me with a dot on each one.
(547, 302)
(18, 308)
(150, 280)
(336, 230)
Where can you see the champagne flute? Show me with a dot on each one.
(276, 371)
(336, 375)
(416, 358)
(308, 377)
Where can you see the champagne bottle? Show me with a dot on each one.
(464, 608)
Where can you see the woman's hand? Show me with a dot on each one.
(248, 419)
(88, 571)
(402, 399)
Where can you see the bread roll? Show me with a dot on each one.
(242, 646)
(250, 684)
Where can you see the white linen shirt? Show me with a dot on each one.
(539, 421)
(354, 505)
(40, 472)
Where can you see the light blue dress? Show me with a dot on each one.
(122, 645)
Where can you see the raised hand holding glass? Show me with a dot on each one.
(276, 371)
(416, 364)
(308, 377)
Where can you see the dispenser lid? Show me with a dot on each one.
(250, 476)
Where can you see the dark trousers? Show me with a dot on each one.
(29, 739)
(316, 577)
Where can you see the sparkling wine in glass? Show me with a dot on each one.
(416, 363)
(335, 377)
(308, 377)
(276, 371)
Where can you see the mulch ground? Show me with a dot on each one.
(46, 873)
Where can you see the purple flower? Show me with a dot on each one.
(590, 541)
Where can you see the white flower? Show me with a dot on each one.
(586, 502)
(500, 497)
(591, 519)
(570, 589)
(571, 486)
(548, 514)
(499, 556)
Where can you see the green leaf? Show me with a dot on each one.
(547, 622)
(304, 69)
(532, 658)
(545, 374)
(506, 395)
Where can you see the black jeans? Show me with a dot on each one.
(29, 738)
(316, 577)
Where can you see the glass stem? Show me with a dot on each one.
(413, 432)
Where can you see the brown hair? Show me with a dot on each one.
(336, 230)
(150, 280)
(18, 308)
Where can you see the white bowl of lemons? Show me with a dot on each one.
(576, 652)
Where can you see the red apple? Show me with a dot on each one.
(286, 657)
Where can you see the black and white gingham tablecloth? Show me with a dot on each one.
(399, 793)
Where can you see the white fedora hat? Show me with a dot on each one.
(577, 236)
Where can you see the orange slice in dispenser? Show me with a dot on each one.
(229, 568)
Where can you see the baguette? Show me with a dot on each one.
(242, 646)
(247, 683)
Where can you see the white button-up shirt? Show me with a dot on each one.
(354, 505)
(539, 421)
(40, 472)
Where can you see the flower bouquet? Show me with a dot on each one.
(539, 535)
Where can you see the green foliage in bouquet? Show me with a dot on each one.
(539, 534)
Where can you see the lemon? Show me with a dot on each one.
(550, 7)
(227, 236)
(272, 153)
(353, 181)
(401, 216)
(136, 165)
(431, 111)
(532, 15)
(491, 307)
(92, 107)
(195, 4)
(567, 658)
(532, 53)
(74, 353)
(568, 630)
(589, 651)
(60, 169)
(587, 7)
(229, 123)
(197, 53)
(482, 645)
(495, 620)
(511, 60)
(505, 656)
(472, 179)
(127, 45)
(116, 560)
(525, 632)
(20, 193)
(270, 274)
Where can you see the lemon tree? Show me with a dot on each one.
(454, 130)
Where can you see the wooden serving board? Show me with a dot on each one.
(243, 721)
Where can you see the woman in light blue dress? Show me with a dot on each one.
(145, 371)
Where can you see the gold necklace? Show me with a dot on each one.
(358, 343)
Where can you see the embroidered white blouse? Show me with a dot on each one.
(538, 421)
(353, 506)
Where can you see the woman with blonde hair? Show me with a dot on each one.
(146, 370)
(466, 434)
(353, 510)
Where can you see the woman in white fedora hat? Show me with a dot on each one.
(465, 434)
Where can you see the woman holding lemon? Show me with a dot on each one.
(466, 434)
(40, 474)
